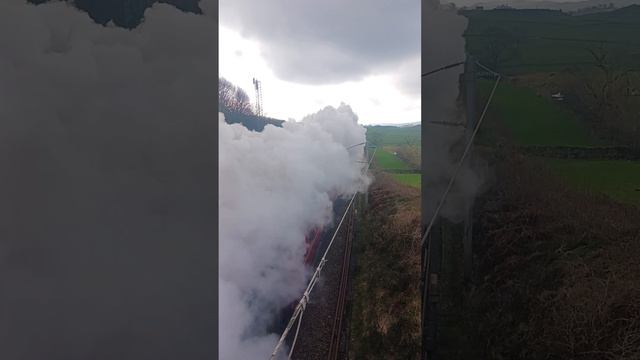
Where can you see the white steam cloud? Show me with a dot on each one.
(275, 186)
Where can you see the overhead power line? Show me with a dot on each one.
(352, 146)
(487, 69)
(461, 161)
(442, 68)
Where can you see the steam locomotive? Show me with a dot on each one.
(314, 238)
(312, 241)
(316, 241)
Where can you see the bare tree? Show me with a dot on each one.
(233, 98)
(605, 88)
(605, 92)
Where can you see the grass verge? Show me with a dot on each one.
(618, 179)
(413, 180)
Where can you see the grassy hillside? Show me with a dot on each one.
(398, 152)
(546, 40)
(556, 240)
(528, 119)
(393, 135)
(534, 120)
(388, 161)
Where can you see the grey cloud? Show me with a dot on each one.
(408, 79)
(330, 41)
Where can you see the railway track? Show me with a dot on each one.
(343, 290)
(323, 332)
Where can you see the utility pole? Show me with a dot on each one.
(472, 121)
(430, 287)
(366, 192)
(432, 250)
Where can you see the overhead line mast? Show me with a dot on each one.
(257, 84)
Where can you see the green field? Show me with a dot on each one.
(547, 40)
(391, 138)
(533, 120)
(413, 180)
(387, 161)
(393, 135)
(618, 179)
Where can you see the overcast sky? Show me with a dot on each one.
(311, 54)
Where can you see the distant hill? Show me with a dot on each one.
(564, 6)
(382, 135)
(628, 15)
(124, 13)
(251, 122)
(551, 40)
(397, 125)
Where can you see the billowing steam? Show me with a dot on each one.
(275, 186)
(443, 44)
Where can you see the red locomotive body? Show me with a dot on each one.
(312, 240)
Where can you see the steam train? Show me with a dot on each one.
(316, 241)
(312, 242)
(314, 238)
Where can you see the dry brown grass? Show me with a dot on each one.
(386, 313)
(559, 276)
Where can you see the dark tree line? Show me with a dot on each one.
(125, 13)
(233, 98)
(607, 93)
